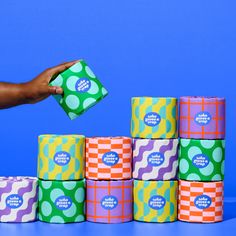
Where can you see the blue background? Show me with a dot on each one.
(136, 47)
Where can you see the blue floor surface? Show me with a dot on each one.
(225, 228)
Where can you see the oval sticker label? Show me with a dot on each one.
(156, 158)
(152, 119)
(63, 203)
(109, 202)
(157, 202)
(82, 85)
(14, 201)
(110, 158)
(200, 160)
(62, 158)
(202, 201)
(202, 118)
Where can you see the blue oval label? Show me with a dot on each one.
(152, 119)
(109, 202)
(200, 160)
(63, 203)
(202, 118)
(14, 201)
(82, 85)
(157, 202)
(62, 158)
(156, 158)
(110, 158)
(202, 201)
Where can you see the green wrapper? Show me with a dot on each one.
(81, 87)
(201, 160)
(61, 201)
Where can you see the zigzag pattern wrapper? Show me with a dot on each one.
(200, 202)
(202, 117)
(109, 201)
(18, 199)
(61, 201)
(201, 160)
(61, 157)
(155, 159)
(155, 201)
(81, 89)
(154, 117)
(109, 158)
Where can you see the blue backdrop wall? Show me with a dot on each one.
(136, 47)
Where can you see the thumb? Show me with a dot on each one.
(53, 90)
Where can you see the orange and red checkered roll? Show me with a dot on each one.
(202, 117)
(108, 158)
(200, 202)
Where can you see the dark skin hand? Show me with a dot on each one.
(33, 91)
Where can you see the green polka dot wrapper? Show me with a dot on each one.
(61, 201)
(81, 87)
(201, 160)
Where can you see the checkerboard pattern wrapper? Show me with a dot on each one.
(202, 118)
(109, 158)
(155, 201)
(200, 201)
(155, 159)
(18, 199)
(109, 201)
(154, 117)
(81, 87)
(62, 201)
(61, 157)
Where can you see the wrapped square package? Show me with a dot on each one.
(81, 87)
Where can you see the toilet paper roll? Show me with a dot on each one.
(18, 199)
(201, 160)
(154, 117)
(200, 202)
(61, 157)
(61, 201)
(109, 158)
(155, 159)
(155, 201)
(202, 117)
(81, 89)
(109, 201)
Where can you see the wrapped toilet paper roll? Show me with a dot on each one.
(61, 157)
(81, 89)
(200, 202)
(155, 159)
(202, 117)
(109, 158)
(109, 201)
(154, 117)
(61, 201)
(155, 201)
(18, 199)
(201, 160)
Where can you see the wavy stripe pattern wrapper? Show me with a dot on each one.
(61, 157)
(18, 199)
(155, 159)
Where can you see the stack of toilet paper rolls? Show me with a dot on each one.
(109, 184)
(61, 178)
(201, 159)
(155, 158)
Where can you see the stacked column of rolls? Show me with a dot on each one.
(109, 183)
(61, 178)
(201, 159)
(155, 158)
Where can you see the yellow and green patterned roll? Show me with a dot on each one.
(61, 157)
(155, 201)
(154, 117)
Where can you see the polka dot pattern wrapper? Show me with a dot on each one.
(81, 87)
(201, 160)
(61, 201)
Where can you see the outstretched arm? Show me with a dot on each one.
(32, 91)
